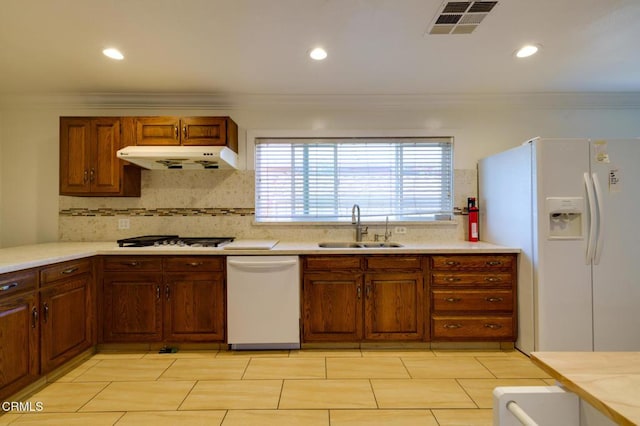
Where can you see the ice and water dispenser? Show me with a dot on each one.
(565, 216)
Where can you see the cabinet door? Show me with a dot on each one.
(394, 306)
(204, 131)
(332, 305)
(66, 315)
(132, 307)
(158, 131)
(19, 330)
(194, 307)
(104, 174)
(75, 155)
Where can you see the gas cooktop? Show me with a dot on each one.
(173, 241)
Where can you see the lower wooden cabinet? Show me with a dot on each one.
(394, 306)
(332, 306)
(163, 299)
(66, 312)
(132, 306)
(46, 319)
(19, 350)
(350, 299)
(473, 298)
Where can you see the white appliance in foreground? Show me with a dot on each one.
(263, 302)
(572, 206)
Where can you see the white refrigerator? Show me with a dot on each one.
(573, 207)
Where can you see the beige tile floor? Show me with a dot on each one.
(307, 387)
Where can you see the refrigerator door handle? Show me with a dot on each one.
(591, 197)
(600, 205)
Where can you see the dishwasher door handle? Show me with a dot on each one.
(262, 266)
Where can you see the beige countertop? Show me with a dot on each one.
(610, 381)
(29, 256)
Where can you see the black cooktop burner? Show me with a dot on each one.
(173, 240)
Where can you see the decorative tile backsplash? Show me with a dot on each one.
(221, 203)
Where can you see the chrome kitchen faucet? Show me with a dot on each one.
(355, 220)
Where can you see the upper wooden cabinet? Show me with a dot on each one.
(220, 131)
(88, 162)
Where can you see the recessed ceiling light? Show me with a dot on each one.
(318, 54)
(526, 51)
(113, 53)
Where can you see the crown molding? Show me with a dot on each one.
(160, 101)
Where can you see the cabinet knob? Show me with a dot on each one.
(492, 326)
(92, 175)
(34, 317)
(45, 312)
(9, 286)
(452, 326)
(85, 179)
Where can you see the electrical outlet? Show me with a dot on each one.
(400, 230)
(123, 224)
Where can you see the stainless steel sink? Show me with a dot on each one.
(339, 244)
(381, 245)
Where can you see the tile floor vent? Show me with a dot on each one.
(460, 17)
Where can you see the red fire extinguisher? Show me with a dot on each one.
(473, 219)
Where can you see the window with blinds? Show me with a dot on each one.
(320, 179)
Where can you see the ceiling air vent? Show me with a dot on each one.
(460, 17)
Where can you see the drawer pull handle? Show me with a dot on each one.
(452, 299)
(132, 264)
(494, 299)
(452, 279)
(493, 326)
(175, 129)
(452, 326)
(158, 292)
(493, 279)
(34, 317)
(194, 264)
(167, 292)
(69, 271)
(493, 263)
(9, 286)
(451, 263)
(45, 312)
(185, 135)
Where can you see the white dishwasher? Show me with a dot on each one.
(263, 302)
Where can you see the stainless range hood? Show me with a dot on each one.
(180, 157)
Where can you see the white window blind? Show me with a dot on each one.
(320, 179)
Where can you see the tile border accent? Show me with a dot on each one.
(162, 211)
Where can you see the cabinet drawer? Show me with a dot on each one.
(484, 262)
(392, 262)
(59, 271)
(471, 278)
(475, 328)
(472, 300)
(332, 263)
(16, 282)
(194, 263)
(131, 263)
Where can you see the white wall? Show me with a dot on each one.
(29, 134)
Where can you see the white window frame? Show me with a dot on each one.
(254, 135)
